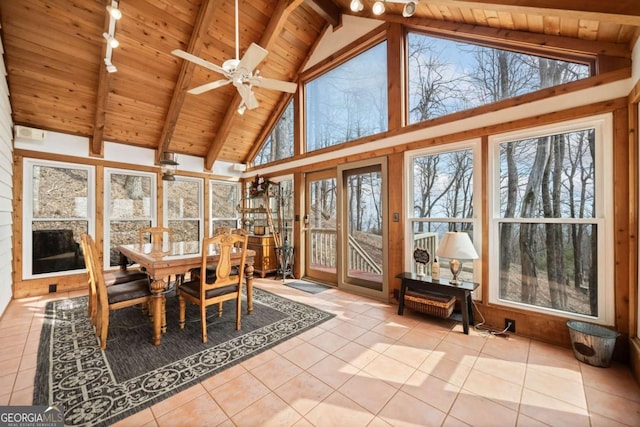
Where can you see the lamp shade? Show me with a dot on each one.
(456, 245)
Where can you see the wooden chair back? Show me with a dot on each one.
(112, 297)
(225, 284)
(156, 235)
(92, 309)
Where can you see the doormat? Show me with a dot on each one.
(309, 287)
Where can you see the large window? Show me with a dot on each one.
(348, 102)
(551, 232)
(446, 76)
(224, 198)
(58, 207)
(130, 201)
(183, 208)
(443, 196)
(279, 144)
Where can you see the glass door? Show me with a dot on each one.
(320, 225)
(362, 227)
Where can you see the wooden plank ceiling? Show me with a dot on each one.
(54, 53)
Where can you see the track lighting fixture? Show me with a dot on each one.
(112, 42)
(114, 12)
(378, 8)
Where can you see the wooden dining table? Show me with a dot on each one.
(167, 259)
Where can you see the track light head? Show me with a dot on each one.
(114, 12)
(378, 8)
(113, 42)
(356, 6)
(409, 9)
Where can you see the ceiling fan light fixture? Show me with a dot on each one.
(378, 8)
(114, 12)
(409, 9)
(356, 6)
(242, 108)
(113, 42)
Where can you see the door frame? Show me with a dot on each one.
(344, 282)
(322, 276)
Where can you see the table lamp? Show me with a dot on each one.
(456, 246)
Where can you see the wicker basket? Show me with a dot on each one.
(433, 304)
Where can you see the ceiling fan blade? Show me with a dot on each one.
(247, 95)
(252, 57)
(199, 61)
(208, 86)
(253, 101)
(273, 84)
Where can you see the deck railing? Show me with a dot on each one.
(323, 250)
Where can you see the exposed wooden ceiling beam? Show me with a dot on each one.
(619, 11)
(328, 10)
(269, 37)
(203, 20)
(499, 36)
(96, 143)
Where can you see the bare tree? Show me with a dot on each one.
(432, 89)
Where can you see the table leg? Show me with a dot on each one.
(248, 274)
(465, 312)
(157, 304)
(403, 289)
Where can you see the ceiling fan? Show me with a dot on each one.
(239, 72)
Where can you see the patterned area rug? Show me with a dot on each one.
(97, 387)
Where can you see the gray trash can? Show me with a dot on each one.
(592, 344)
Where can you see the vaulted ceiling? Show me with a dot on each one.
(55, 50)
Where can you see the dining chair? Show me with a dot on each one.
(211, 269)
(155, 235)
(111, 278)
(224, 285)
(113, 297)
(156, 238)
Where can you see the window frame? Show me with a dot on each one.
(165, 204)
(587, 59)
(357, 51)
(27, 211)
(603, 216)
(108, 172)
(476, 220)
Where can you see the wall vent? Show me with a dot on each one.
(31, 134)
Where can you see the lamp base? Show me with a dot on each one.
(456, 267)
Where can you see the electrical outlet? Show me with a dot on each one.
(510, 325)
(53, 288)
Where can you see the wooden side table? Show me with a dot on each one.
(462, 291)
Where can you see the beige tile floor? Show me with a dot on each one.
(368, 367)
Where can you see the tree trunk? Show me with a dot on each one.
(528, 230)
(506, 229)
